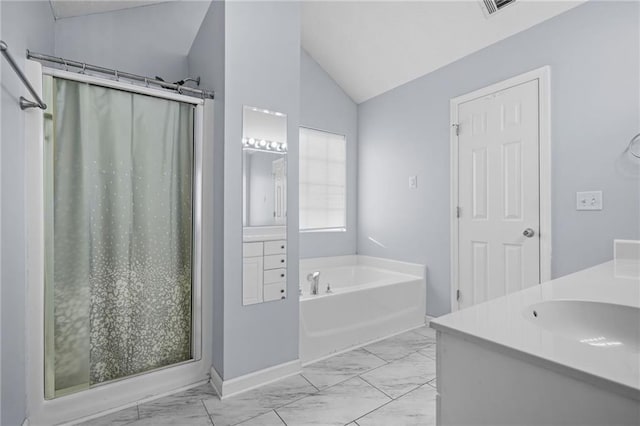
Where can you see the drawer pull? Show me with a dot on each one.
(282, 291)
(282, 247)
(281, 260)
(281, 275)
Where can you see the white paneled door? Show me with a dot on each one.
(498, 194)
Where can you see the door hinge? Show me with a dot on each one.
(458, 295)
(458, 209)
(457, 128)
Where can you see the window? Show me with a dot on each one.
(323, 171)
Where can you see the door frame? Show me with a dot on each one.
(125, 392)
(543, 75)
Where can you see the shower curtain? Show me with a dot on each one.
(119, 266)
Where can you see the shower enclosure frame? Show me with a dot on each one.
(127, 391)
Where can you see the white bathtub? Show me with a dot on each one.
(370, 298)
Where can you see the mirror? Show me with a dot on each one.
(264, 205)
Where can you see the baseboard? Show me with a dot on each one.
(427, 319)
(227, 388)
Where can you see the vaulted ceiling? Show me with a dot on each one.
(71, 8)
(370, 47)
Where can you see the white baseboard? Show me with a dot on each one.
(427, 320)
(227, 388)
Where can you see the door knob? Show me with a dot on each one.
(529, 233)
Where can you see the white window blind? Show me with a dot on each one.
(323, 171)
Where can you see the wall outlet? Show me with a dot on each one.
(413, 182)
(589, 200)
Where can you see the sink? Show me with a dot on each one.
(602, 325)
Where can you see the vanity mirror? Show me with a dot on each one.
(264, 205)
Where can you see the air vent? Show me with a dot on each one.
(489, 7)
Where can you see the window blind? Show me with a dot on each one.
(322, 180)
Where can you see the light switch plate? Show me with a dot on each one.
(589, 200)
(413, 182)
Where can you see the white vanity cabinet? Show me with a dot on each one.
(252, 272)
(264, 273)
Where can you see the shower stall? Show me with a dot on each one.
(115, 244)
(118, 233)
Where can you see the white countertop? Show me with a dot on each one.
(501, 323)
(263, 233)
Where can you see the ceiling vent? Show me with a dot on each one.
(490, 7)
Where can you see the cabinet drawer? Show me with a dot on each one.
(275, 275)
(275, 291)
(275, 247)
(252, 249)
(275, 261)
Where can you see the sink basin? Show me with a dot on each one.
(602, 325)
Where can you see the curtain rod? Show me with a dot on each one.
(24, 103)
(117, 74)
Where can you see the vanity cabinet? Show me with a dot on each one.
(264, 273)
(252, 269)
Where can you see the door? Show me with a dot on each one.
(498, 194)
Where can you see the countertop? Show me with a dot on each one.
(501, 323)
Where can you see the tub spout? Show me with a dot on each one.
(314, 279)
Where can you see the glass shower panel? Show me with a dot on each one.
(118, 234)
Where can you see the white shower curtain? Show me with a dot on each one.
(119, 263)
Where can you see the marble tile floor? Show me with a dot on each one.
(390, 382)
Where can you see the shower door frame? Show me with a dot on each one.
(116, 394)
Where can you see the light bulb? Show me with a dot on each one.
(263, 143)
(252, 141)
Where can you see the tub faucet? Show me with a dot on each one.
(314, 279)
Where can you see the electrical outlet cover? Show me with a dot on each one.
(589, 200)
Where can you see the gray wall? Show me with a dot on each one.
(256, 62)
(151, 40)
(325, 106)
(262, 68)
(24, 25)
(593, 51)
(206, 59)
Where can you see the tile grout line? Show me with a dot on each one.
(373, 386)
(206, 411)
(401, 358)
(386, 403)
(377, 356)
(280, 417)
(278, 406)
(423, 355)
(348, 378)
(309, 381)
(372, 411)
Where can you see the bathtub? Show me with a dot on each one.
(370, 298)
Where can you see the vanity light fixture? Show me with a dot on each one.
(264, 145)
